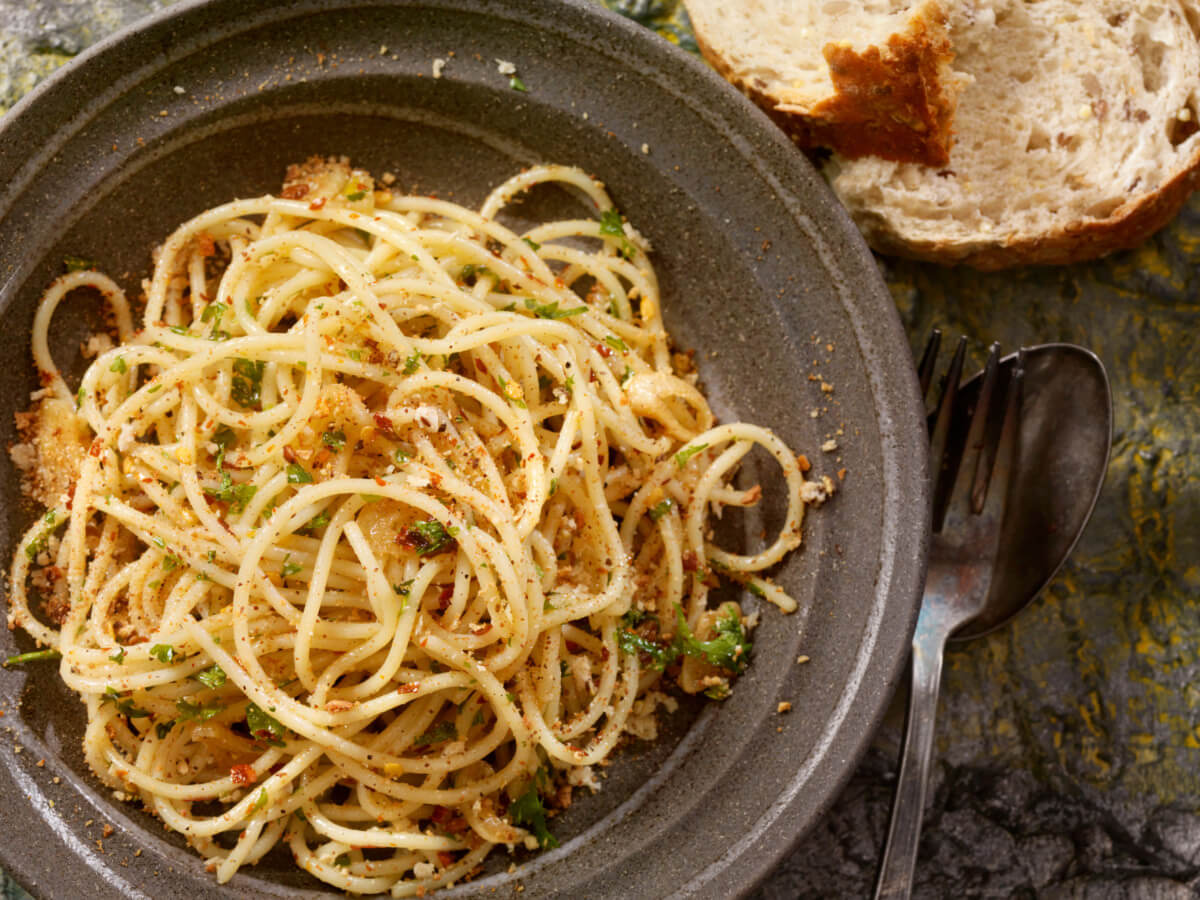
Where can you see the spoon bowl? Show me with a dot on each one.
(1066, 438)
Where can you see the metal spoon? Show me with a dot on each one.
(1065, 439)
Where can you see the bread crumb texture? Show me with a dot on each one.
(1076, 135)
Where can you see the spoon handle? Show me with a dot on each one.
(904, 832)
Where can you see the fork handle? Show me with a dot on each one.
(904, 832)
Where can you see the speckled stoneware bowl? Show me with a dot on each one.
(762, 274)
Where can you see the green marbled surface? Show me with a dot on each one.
(1069, 742)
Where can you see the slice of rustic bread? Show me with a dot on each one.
(1077, 131)
(1077, 135)
(860, 76)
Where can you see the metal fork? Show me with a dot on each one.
(972, 456)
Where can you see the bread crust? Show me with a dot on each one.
(1129, 225)
(894, 104)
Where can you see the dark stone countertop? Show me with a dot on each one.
(1068, 743)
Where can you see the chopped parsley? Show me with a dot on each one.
(164, 653)
(616, 343)
(264, 727)
(119, 366)
(162, 729)
(611, 225)
(334, 439)
(531, 243)
(261, 800)
(289, 568)
(247, 382)
(682, 457)
(236, 494)
(297, 474)
(442, 731)
(213, 313)
(119, 656)
(124, 704)
(33, 656)
(430, 536)
(517, 84)
(527, 811)
(660, 509)
(412, 363)
(189, 711)
(320, 520)
(213, 677)
(551, 310)
(728, 649)
(224, 437)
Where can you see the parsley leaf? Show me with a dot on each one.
(611, 225)
(212, 677)
(189, 711)
(660, 509)
(442, 731)
(412, 363)
(297, 474)
(551, 310)
(236, 494)
(247, 382)
(527, 811)
(264, 727)
(728, 649)
(164, 653)
(289, 568)
(124, 704)
(682, 457)
(430, 536)
(119, 366)
(334, 440)
(616, 343)
(224, 437)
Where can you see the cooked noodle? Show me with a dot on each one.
(388, 516)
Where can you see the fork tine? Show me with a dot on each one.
(1005, 461)
(943, 464)
(981, 449)
(929, 360)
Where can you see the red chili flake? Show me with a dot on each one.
(243, 774)
(446, 858)
(604, 350)
(97, 446)
(294, 191)
(480, 366)
(444, 597)
(317, 204)
(573, 647)
(289, 454)
(442, 815)
(690, 563)
(410, 688)
(383, 423)
(205, 244)
(379, 481)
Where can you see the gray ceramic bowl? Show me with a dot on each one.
(762, 274)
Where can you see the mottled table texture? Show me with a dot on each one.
(1068, 744)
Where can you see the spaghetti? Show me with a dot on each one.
(380, 524)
